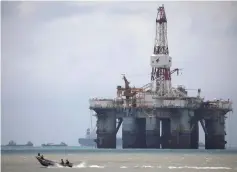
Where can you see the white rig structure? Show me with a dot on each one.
(161, 62)
(162, 102)
(158, 93)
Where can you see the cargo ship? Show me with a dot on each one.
(89, 139)
(13, 144)
(62, 144)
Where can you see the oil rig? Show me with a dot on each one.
(157, 115)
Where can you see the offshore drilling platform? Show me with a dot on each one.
(158, 115)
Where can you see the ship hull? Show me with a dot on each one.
(62, 144)
(54, 145)
(17, 145)
(91, 143)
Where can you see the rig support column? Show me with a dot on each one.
(215, 137)
(106, 131)
(141, 133)
(152, 132)
(129, 132)
(181, 130)
(165, 133)
(133, 132)
(194, 134)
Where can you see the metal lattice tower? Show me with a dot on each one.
(160, 60)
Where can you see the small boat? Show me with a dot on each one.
(45, 162)
(66, 165)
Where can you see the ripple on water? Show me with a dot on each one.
(123, 167)
(83, 165)
(199, 168)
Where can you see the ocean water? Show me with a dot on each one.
(129, 160)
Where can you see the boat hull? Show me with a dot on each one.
(45, 162)
(53, 146)
(67, 165)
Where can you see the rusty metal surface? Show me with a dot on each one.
(180, 141)
(106, 140)
(194, 142)
(215, 137)
(135, 138)
(165, 133)
(153, 140)
(215, 142)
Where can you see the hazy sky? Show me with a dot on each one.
(57, 55)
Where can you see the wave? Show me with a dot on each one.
(84, 165)
(200, 168)
(96, 166)
(81, 165)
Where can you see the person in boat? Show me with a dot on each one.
(67, 162)
(40, 156)
(62, 162)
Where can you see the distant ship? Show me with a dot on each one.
(62, 144)
(89, 139)
(13, 144)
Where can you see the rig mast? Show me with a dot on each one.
(160, 59)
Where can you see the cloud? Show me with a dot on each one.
(26, 8)
(56, 55)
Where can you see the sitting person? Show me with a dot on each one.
(42, 157)
(38, 154)
(67, 162)
(62, 162)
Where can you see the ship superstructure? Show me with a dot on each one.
(14, 144)
(90, 134)
(157, 107)
(62, 144)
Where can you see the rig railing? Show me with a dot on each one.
(149, 104)
(190, 103)
(218, 104)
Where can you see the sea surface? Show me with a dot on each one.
(119, 160)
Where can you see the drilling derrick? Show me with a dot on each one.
(160, 59)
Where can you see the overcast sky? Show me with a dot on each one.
(57, 55)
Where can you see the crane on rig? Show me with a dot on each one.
(127, 91)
